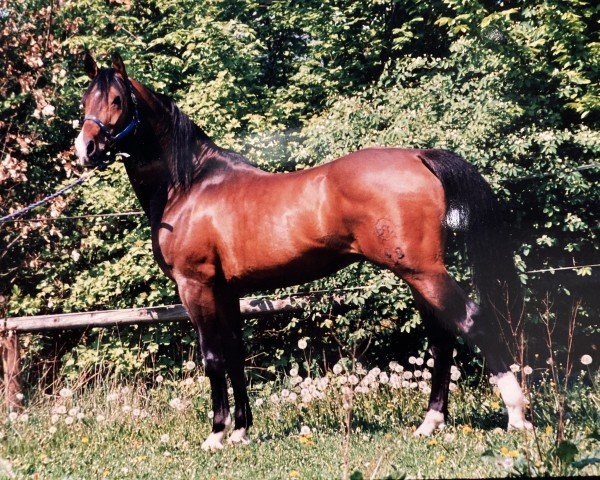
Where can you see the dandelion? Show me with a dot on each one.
(167, 453)
(419, 361)
(210, 414)
(302, 344)
(80, 416)
(452, 387)
(393, 365)
(432, 442)
(495, 406)
(52, 430)
(337, 369)
(430, 363)
(66, 393)
(85, 440)
(293, 396)
(515, 368)
(176, 403)
(258, 402)
(159, 379)
(426, 375)
(418, 373)
(164, 438)
(466, 429)
(454, 353)
(549, 430)
(413, 385)
(12, 416)
(405, 384)
(100, 418)
(294, 372)
(448, 438)
(527, 370)
(74, 411)
(24, 418)
(69, 420)
(305, 430)
(285, 393)
(412, 360)
(407, 375)
(342, 379)
(126, 409)
(274, 398)
(422, 385)
(20, 396)
(136, 412)
(586, 359)
(189, 365)
(352, 379)
(440, 459)
(294, 474)
(383, 378)
(111, 397)
(454, 376)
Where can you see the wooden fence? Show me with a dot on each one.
(10, 328)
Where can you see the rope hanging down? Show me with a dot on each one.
(44, 200)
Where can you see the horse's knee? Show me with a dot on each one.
(470, 324)
(214, 365)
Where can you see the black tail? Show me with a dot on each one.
(472, 207)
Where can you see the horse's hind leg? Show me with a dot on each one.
(454, 310)
(442, 343)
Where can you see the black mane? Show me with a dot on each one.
(186, 160)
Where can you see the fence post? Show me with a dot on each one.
(12, 369)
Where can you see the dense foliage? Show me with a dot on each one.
(512, 86)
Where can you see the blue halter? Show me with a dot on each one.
(112, 139)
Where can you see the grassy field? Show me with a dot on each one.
(155, 431)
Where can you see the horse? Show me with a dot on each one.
(221, 227)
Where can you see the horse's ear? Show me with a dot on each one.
(118, 65)
(90, 66)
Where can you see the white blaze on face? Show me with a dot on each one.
(80, 147)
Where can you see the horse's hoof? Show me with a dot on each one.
(213, 443)
(433, 420)
(238, 437)
(520, 425)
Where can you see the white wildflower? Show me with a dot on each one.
(419, 361)
(189, 365)
(383, 378)
(274, 398)
(337, 369)
(74, 411)
(452, 387)
(515, 368)
(12, 416)
(66, 393)
(19, 396)
(294, 372)
(69, 420)
(527, 370)
(188, 382)
(285, 393)
(159, 379)
(111, 397)
(305, 430)
(259, 402)
(52, 430)
(100, 418)
(164, 438)
(126, 408)
(54, 419)
(430, 363)
(352, 379)
(412, 360)
(586, 359)
(302, 344)
(407, 375)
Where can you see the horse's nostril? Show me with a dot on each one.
(91, 146)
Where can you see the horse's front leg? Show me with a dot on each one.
(233, 348)
(201, 302)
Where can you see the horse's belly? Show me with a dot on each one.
(268, 273)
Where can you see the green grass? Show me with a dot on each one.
(127, 442)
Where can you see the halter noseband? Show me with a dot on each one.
(112, 139)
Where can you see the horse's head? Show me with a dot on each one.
(110, 110)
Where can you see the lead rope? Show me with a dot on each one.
(58, 193)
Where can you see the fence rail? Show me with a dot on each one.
(11, 327)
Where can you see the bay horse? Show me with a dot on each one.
(221, 227)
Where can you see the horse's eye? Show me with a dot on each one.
(117, 101)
